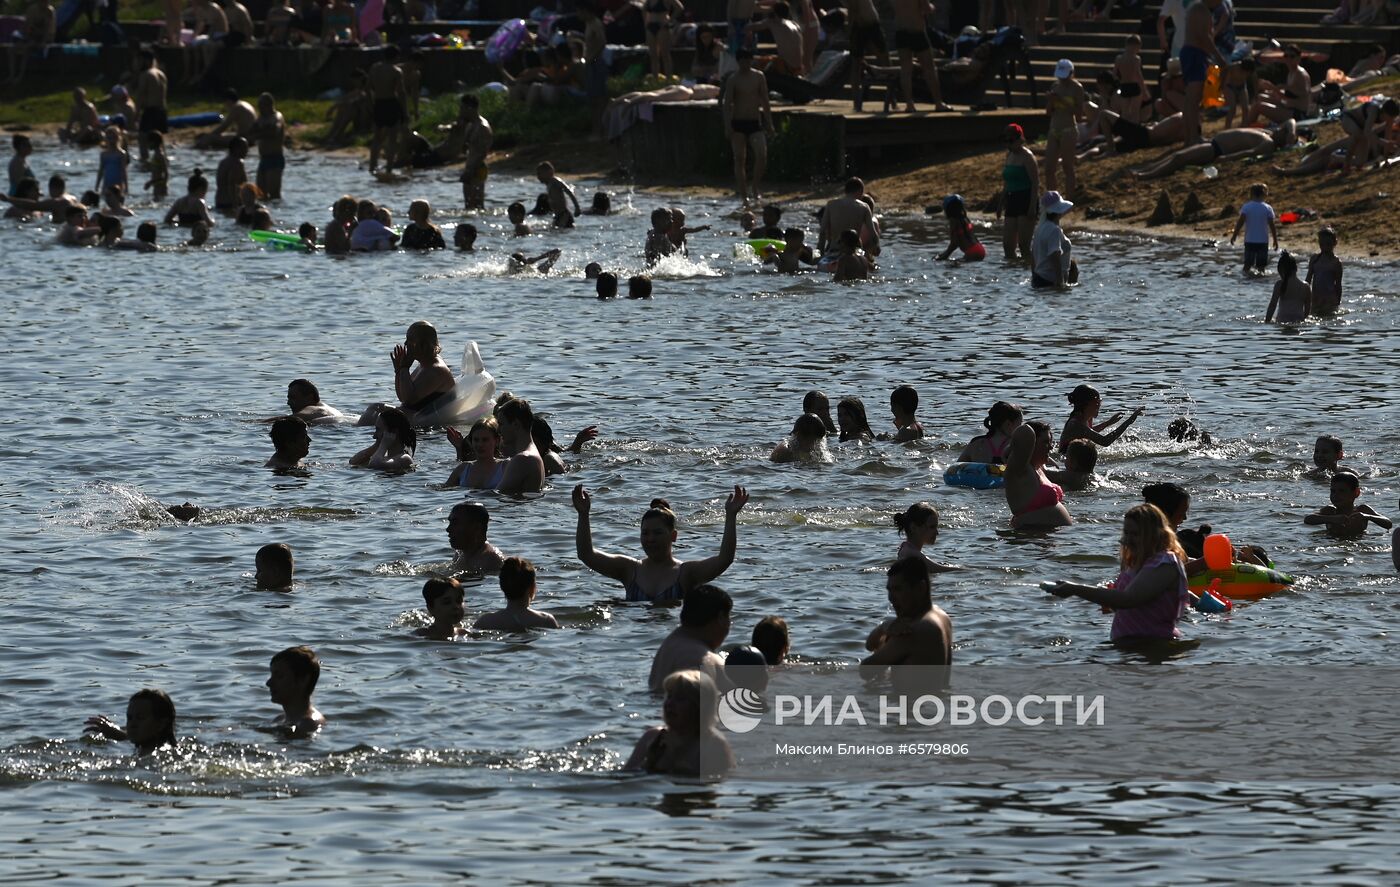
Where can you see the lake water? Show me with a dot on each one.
(136, 380)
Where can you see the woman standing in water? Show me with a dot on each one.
(422, 388)
(1085, 402)
(658, 576)
(1020, 189)
(1002, 421)
(1149, 595)
(1035, 502)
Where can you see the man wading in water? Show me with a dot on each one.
(747, 117)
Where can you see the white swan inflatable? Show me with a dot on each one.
(472, 397)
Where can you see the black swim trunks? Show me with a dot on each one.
(1134, 136)
(388, 113)
(745, 127)
(154, 120)
(1215, 146)
(1017, 204)
(1130, 90)
(914, 41)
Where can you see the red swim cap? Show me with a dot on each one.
(1014, 129)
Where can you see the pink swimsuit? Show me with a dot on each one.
(1157, 618)
(1047, 496)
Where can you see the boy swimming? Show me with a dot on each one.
(275, 566)
(518, 585)
(294, 673)
(1344, 518)
(444, 600)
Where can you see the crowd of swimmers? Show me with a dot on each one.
(512, 451)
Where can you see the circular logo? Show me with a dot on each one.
(741, 710)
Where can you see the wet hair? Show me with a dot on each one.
(638, 287)
(794, 234)
(517, 578)
(238, 144)
(303, 662)
(1039, 427)
(473, 512)
(999, 413)
(489, 425)
(906, 398)
(308, 386)
(602, 203)
(163, 707)
(809, 426)
(704, 604)
(856, 405)
(1348, 479)
(917, 514)
(108, 225)
(1167, 496)
(1183, 429)
(146, 232)
(747, 666)
(90, 199)
(592, 270)
(606, 285)
(1332, 440)
(74, 212)
(396, 423)
(543, 435)
(913, 570)
(1146, 531)
(466, 231)
(262, 220)
(437, 586)
(1287, 265)
(427, 332)
(197, 181)
(61, 182)
(660, 217)
(20, 143)
(515, 209)
(346, 207)
(287, 430)
(661, 510)
(306, 231)
(277, 555)
(850, 239)
(1193, 542)
(1082, 396)
(516, 410)
(1081, 455)
(771, 637)
(854, 185)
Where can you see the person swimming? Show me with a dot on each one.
(150, 722)
(1085, 402)
(419, 390)
(918, 524)
(1034, 501)
(851, 417)
(805, 444)
(1002, 421)
(486, 469)
(658, 576)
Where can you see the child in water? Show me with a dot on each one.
(518, 585)
(443, 598)
(852, 263)
(191, 209)
(275, 566)
(851, 417)
(1344, 518)
(395, 442)
(960, 234)
(1292, 297)
(560, 195)
(150, 722)
(516, 214)
(1257, 221)
(1080, 458)
(420, 232)
(904, 401)
(659, 242)
(294, 673)
(291, 441)
(1325, 274)
(919, 526)
(795, 250)
(818, 404)
(111, 163)
(805, 444)
(678, 230)
(1327, 453)
(159, 167)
